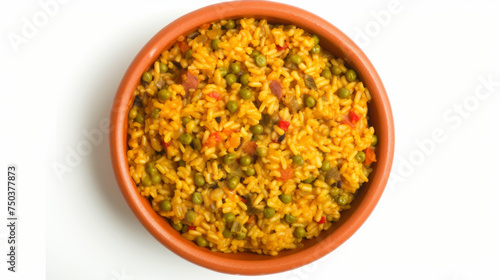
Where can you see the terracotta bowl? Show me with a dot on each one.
(333, 40)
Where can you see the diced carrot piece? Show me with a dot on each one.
(227, 131)
(234, 141)
(370, 156)
(286, 174)
(183, 47)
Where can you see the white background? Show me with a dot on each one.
(438, 219)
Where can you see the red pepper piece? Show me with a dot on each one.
(212, 140)
(280, 48)
(353, 117)
(284, 125)
(322, 220)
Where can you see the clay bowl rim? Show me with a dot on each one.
(333, 40)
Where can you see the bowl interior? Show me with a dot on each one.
(332, 40)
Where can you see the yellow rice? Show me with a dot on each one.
(318, 134)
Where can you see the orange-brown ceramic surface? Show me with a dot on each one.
(250, 263)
